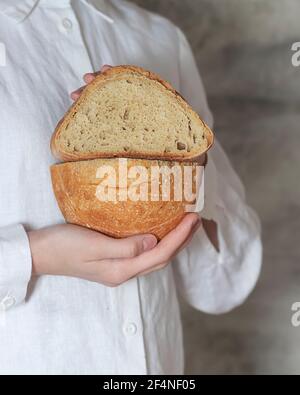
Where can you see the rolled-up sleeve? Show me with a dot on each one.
(15, 266)
(211, 281)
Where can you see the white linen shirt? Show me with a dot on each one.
(59, 325)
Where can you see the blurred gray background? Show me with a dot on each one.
(243, 49)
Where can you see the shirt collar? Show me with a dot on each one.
(19, 10)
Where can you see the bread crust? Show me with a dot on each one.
(102, 78)
(75, 184)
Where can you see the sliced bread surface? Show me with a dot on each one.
(130, 112)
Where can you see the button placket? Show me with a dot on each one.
(131, 341)
(73, 44)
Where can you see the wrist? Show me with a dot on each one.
(38, 258)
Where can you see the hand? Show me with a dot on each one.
(89, 77)
(70, 250)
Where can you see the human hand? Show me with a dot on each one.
(74, 251)
(89, 77)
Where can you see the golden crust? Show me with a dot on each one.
(103, 77)
(75, 185)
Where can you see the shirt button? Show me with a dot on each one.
(8, 302)
(130, 329)
(67, 23)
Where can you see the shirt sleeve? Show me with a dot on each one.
(15, 266)
(210, 281)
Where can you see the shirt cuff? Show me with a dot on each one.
(15, 266)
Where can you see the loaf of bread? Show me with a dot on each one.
(131, 113)
(76, 186)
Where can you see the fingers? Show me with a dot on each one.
(172, 242)
(107, 253)
(88, 78)
(105, 68)
(164, 251)
(76, 94)
(190, 237)
(130, 247)
(182, 247)
(130, 257)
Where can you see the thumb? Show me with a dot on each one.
(131, 246)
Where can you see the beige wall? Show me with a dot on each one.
(243, 50)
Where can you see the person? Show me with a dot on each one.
(74, 301)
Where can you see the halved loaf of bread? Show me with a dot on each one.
(130, 112)
(76, 186)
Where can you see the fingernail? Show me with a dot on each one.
(105, 68)
(149, 242)
(89, 76)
